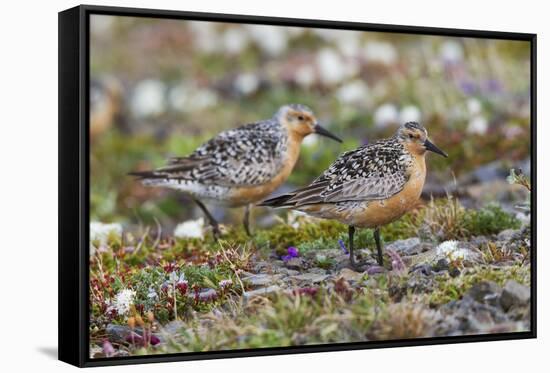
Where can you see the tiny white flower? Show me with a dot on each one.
(234, 40)
(272, 40)
(190, 229)
(305, 75)
(333, 68)
(188, 98)
(310, 141)
(385, 115)
(124, 299)
(293, 218)
(451, 51)
(101, 24)
(321, 257)
(349, 44)
(101, 231)
(247, 83)
(410, 113)
(152, 294)
(225, 283)
(478, 126)
(452, 250)
(381, 52)
(206, 38)
(148, 98)
(173, 277)
(474, 106)
(355, 92)
(182, 279)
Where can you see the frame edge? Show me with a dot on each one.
(70, 313)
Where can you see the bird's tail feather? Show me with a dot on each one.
(280, 201)
(144, 174)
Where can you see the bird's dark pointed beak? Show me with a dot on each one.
(431, 147)
(323, 132)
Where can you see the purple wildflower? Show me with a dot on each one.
(397, 263)
(292, 252)
(343, 247)
(225, 283)
(154, 340)
(108, 348)
(468, 87)
(493, 86)
(311, 291)
(134, 338)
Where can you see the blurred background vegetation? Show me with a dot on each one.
(161, 87)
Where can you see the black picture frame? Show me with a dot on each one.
(74, 183)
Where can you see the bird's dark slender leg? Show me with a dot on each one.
(351, 232)
(378, 246)
(246, 220)
(213, 222)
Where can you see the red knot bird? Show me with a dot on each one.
(368, 187)
(240, 166)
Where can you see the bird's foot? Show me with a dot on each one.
(216, 231)
(358, 266)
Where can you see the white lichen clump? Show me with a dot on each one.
(452, 250)
(123, 301)
(190, 229)
(100, 232)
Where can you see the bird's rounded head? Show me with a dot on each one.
(414, 138)
(300, 121)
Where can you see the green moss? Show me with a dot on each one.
(324, 262)
(449, 289)
(489, 220)
(281, 236)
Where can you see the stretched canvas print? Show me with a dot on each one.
(244, 185)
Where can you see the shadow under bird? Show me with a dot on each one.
(368, 187)
(240, 166)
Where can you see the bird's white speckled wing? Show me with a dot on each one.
(371, 172)
(249, 155)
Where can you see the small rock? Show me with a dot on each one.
(261, 266)
(118, 333)
(441, 265)
(454, 272)
(485, 292)
(514, 294)
(374, 270)
(479, 241)
(204, 295)
(261, 279)
(405, 247)
(261, 291)
(295, 263)
(507, 234)
(310, 277)
(124, 334)
(350, 275)
(288, 272)
(173, 327)
(424, 269)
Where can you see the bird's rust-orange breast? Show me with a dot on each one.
(378, 213)
(239, 196)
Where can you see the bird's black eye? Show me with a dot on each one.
(411, 136)
(300, 117)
